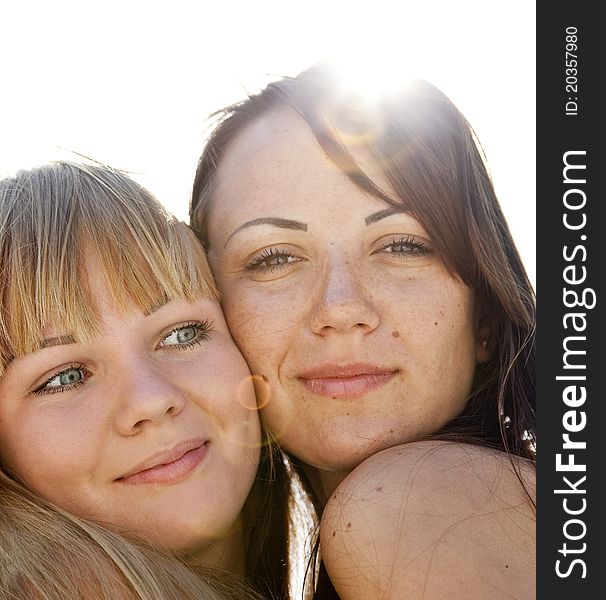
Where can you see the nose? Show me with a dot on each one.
(147, 396)
(345, 302)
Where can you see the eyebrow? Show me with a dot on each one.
(382, 214)
(64, 340)
(60, 340)
(57, 341)
(299, 226)
(275, 221)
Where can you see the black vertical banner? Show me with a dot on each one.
(571, 171)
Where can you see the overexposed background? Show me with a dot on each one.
(131, 82)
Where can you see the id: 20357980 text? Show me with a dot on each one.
(571, 72)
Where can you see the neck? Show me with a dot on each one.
(323, 483)
(225, 555)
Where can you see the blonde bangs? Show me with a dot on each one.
(58, 221)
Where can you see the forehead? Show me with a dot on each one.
(277, 158)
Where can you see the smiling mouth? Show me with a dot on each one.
(346, 382)
(169, 472)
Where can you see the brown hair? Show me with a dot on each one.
(429, 155)
(52, 218)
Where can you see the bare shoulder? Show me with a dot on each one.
(432, 520)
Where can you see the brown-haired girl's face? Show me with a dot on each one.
(364, 338)
(149, 427)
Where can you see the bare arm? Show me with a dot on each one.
(432, 520)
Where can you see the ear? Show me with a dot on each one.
(483, 342)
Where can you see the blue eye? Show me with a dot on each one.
(62, 381)
(187, 335)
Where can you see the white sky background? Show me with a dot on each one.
(131, 83)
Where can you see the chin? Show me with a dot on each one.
(347, 452)
(187, 536)
(347, 458)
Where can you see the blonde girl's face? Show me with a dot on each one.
(149, 428)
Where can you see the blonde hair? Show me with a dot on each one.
(48, 554)
(53, 220)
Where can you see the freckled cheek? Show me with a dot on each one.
(413, 316)
(454, 341)
(437, 318)
(263, 322)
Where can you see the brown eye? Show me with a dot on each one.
(405, 247)
(271, 259)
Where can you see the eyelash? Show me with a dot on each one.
(256, 264)
(204, 328)
(413, 247)
(42, 390)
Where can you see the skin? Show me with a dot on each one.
(143, 385)
(348, 284)
(432, 520)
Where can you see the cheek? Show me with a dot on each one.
(223, 388)
(451, 337)
(263, 321)
(434, 309)
(436, 319)
(54, 450)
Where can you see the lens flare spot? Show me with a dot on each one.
(255, 396)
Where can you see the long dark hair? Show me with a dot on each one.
(429, 155)
(266, 515)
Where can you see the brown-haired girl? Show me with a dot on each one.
(368, 275)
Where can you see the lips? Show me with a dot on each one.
(345, 381)
(170, 466)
